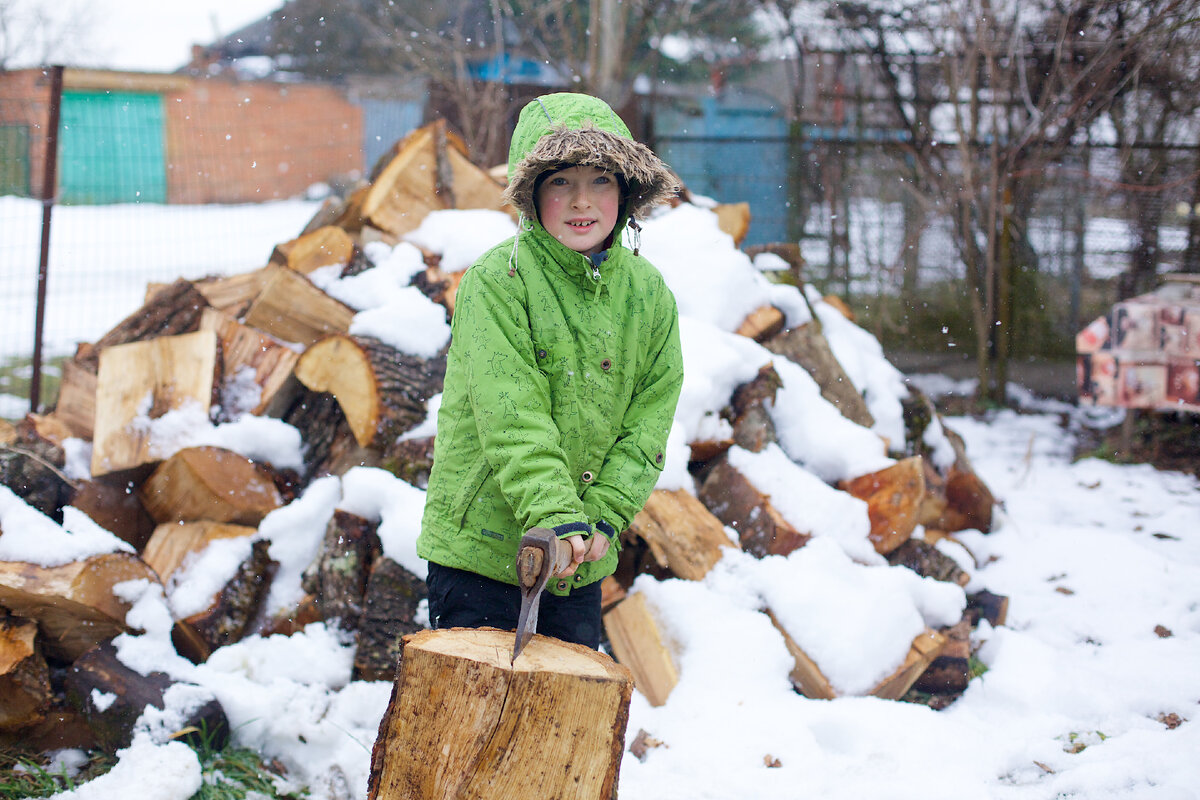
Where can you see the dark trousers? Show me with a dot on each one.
(461, 599)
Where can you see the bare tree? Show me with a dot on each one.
(1015, 85)
(35, 34)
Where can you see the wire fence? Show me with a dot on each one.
(175, 177)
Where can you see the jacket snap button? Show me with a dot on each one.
(578, 578)
(562, 585)
(658, 458)
(587, 476)
(606, 364)
(541, 354)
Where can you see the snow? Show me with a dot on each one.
(1099, 562)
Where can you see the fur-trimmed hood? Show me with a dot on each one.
(578, 129)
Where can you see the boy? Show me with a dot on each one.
(561, 381)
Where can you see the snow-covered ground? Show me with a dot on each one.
(1101, 564)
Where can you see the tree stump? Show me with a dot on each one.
(464, 722)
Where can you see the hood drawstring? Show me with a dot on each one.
(636, 238)
(522, 225)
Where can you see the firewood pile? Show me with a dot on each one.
(350, 398)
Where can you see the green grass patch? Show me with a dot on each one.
(25, 776)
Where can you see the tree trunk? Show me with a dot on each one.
(463, 722)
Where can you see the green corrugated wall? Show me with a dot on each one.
(112, 148)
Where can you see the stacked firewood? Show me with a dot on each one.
(274, 332)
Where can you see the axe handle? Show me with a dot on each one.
(531, 558)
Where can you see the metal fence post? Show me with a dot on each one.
(49, 183)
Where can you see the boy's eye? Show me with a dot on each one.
(603, 179)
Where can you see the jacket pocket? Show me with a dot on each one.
(653, 450)
(469, 489)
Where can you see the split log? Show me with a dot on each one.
(789, 252)
(961, 500)
(753, 428)
(61, 727)
(638, 644)
(950, 672)
(735, 501)
(327, 246)
(112, 696)
(112, 503)
(8, 433)
(209, 483)
(439, 286)
(381, 390)
(893, 496)
(24, 675)
(337, 579)
(233, 294)
(762, 323)
(806, 345)
(231, 613)
(246, 351)
(390, 603)
(684, 536)
(291, 308)
(427, 170)
(611, 592)
(173, 310)
(143, 381)
(173, 542)
(928, 562)
(73, 604)
(734, 219)
(463, 722)
(76, 403)
(808, 679)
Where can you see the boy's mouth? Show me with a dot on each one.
(581, 224)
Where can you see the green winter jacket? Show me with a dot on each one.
(562, 377)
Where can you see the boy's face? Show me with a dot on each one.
(579, 206)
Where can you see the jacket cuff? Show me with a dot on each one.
(571, 528)
(606, 529)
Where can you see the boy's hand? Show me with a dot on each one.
(592, 548)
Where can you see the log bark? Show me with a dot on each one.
(291, 308)
(230, 616)
(465, 723)
(735, 501)
(73, 604)
(983, 605)
(337, 579)
(173, 310)
(143, 381)
(36, 480)
(928, 562)
(112, 503)
(112, 696)
(330, 446)
(24, 676)
(326, 246)
(410, 460)
(806, 345)
(753, 428)
(950, 672)
(389, 612)
(638, 644)
(893, 496)
(382, 391)
(684, 536)
(439, 286)
(247, 352)
(209, 483)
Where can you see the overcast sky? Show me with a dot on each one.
(145, 35)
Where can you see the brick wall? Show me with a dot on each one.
(239, 141)
(25, 101)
